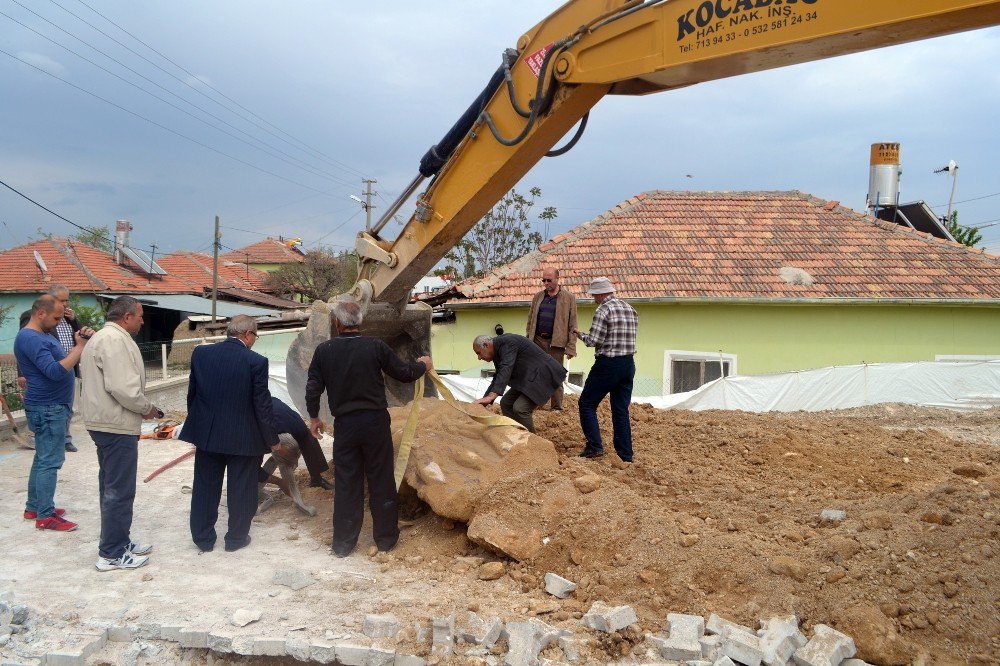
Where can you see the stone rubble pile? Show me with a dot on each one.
(468, 638)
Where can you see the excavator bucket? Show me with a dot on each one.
(407, 332)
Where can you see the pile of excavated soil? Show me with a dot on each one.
(720, 512)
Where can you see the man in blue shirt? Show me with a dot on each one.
(48, 370)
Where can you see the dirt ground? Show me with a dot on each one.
(719, 513)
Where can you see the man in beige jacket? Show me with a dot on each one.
(552, 321)
(114, 404)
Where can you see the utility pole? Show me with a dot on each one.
(368, 202)
(215, 267)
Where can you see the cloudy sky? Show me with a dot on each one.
(338, 91)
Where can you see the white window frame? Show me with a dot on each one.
(671, 355)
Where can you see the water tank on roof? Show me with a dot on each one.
(884, 174)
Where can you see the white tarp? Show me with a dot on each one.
(955, 385)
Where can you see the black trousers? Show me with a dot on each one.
(363, 449)
(206, 492)
(117, 460)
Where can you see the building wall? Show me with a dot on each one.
(267, 268)
(20, 303)
(764, 338)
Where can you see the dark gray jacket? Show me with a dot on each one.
(522, 365)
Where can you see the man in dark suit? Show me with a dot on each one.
(533, 375)
(231, 423)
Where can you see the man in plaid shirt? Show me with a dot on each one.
(65, 330)
(612, 334)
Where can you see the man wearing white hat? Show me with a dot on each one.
(612, 334)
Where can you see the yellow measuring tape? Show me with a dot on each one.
(410, 429)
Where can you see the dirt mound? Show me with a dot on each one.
(720, 512)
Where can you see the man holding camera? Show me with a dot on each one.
(114, 404)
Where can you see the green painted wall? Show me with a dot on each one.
(764, 338)
(19, 303)
(267, 268)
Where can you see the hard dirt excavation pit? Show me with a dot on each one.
(720, 513)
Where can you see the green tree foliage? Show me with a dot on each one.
(87, 315)
(321, 275)
(503, 235)
(98, 237)
(965, 235)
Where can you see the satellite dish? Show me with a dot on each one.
(40, 262)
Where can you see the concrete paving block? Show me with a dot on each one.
(558, 586)
(380, 657)
(710, 645)
(92, 641)
(120, 634)
(716, 624)
(193, 638)
(352, 654)
(723, 661)
(572, 646)
(243, 645)
(64, 659)
(408, 660)
(443, 635)
(827, 647)
(268, 647)
(608, 618)
(170, 632)
(381, 626)
(687, 627)
(527, 639)
(297, 647)
(854, 662)
(479, 631)
(323, 651)
(221, 642)
(676, 649)
(741, 646)
(779, 639)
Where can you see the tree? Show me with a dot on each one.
(321, 275)
(503, 235)
(87, 315)
(97, 237)
(965, 235)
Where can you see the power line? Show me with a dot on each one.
(296, 163)
(301, 143)
(955, 203)
(89, 230)
(164, 127)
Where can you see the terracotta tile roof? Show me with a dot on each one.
(80, 268)
(195, 269)
(734, 245)
(267, 251)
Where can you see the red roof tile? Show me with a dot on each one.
(732, 245)
(82, 268)
(267, 251)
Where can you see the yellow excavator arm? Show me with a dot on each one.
(591, 48)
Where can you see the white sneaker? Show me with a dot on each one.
(126, 561)
(139, 548)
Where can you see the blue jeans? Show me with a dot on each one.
(118, 458)
(49, 423)
(614, 375)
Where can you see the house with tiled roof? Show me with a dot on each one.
(177, 285)
(267, 255)
(748, 283)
